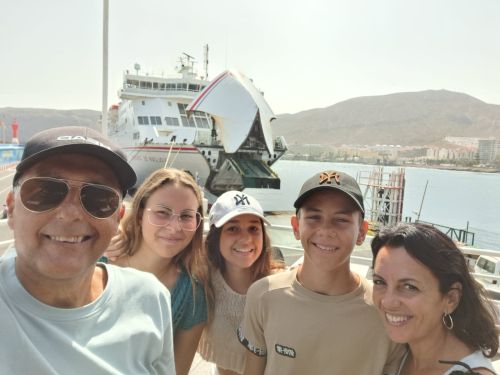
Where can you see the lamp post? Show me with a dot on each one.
(104, 116)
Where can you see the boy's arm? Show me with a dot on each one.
(254, 365)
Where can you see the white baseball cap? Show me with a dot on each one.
(231, 204)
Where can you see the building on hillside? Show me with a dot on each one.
(469, 142)
(413, 153)
(450, 153)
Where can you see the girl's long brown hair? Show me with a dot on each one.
(265, 265)
(130, 236)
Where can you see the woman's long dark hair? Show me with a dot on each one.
(474, 317)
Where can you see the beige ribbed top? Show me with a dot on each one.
(219, 343)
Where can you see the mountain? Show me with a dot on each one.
(411, 118)
(32, 120)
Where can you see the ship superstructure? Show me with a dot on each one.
(227, 148)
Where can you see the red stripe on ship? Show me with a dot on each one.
(161, 148)
(209, 88)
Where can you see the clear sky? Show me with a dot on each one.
(302, 54)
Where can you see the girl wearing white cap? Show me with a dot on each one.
(162, 233)
(239, 253)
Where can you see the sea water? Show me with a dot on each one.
(453, 198)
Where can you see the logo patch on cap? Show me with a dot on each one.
(83, 139)
(241, 200)
(327, 177)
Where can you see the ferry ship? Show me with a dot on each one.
(219, 131)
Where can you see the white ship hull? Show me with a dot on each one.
(145, 160)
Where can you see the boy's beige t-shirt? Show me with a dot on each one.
(302, 332)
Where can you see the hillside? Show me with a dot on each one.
(413, 118)
(32, 120)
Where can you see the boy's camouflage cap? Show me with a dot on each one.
(331, 180)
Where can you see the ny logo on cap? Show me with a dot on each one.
(241, 199)
(326, 178)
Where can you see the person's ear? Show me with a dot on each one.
(294, 220)
(122, 211)
(9, 201)
(453, 297)
(363, 229)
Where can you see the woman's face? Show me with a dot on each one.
(407, 296)
(169, 240)
(241, 241)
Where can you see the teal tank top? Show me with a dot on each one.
(188, 310)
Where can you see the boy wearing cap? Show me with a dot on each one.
(319, 318)
(60, 312)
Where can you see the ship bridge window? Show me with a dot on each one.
(143, 120)
(162, 86)
(182, 86)
(132, 83)
(171, 86)
(184, 121)
(201, 88)
(202, 122)
(172, 121)
(191, 122)
(193, 87)
(182, 108)
(155, 120)
(155, 85)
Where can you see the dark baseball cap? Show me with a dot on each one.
(79, 140)
(331, 180)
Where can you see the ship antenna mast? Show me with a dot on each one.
(206, 61)
(189, 59)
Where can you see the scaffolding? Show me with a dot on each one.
(383, 193)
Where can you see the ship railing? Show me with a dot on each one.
(152, 91)
(280, 143)
(461, 235)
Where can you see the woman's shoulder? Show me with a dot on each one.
(475, 362)
(277, 281)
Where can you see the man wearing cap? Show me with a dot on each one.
(60, 312)
(319, 318)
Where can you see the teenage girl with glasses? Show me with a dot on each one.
(162, 234)
(239, 253)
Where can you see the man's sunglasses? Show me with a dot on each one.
(41, 194)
